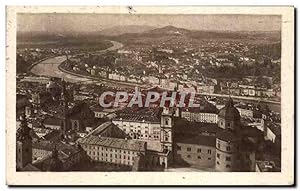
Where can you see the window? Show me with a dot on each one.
(228, 159)
(167, 121)
(178, 148)
(228, 148)
(218, 163)
(189, 149)
(199, 150)
(199, 157)
(209, 151)
(209, 159)
(189, 156)
(227, 166)
(218, 155)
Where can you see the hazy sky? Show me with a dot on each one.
(96, 22)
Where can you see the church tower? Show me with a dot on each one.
(228, 139)
(166, 123)
(24, 145)
(63, 102)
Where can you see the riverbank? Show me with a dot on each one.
(103, 80)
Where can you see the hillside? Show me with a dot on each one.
(119, 30)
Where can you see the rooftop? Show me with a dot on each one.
(114, 143)
(137, 118)
(228, 135)
(197, 140)
(182, 126)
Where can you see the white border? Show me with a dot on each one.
(286, 177)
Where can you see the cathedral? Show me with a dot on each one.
(225, 146)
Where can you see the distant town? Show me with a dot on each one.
(235, 77)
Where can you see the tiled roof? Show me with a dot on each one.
(276, 129)
(228, 135)
(137, 118)
(114, 143)
(43, 145)
(187, 127)
(30, 167)
(52, 121)
(197, 140)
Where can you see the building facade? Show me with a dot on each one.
(24, 145)
(113, 150)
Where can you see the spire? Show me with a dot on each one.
(63, 95)
(23, 133)
(230, 102)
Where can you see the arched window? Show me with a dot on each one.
(167, 121)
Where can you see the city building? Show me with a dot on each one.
(223, 146)
(196, 151)
(234, 152)
(116, 151)
(206, 113)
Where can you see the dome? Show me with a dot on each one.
(228, 135)
(229, 112)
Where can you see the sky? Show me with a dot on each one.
(53, 22)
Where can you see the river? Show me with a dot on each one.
(50, 68)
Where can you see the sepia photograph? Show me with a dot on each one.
(129, 90)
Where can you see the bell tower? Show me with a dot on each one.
(63, 102)
(24, 145)
(228, 139)
(166, 132)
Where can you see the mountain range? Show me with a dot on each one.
(145, 31)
